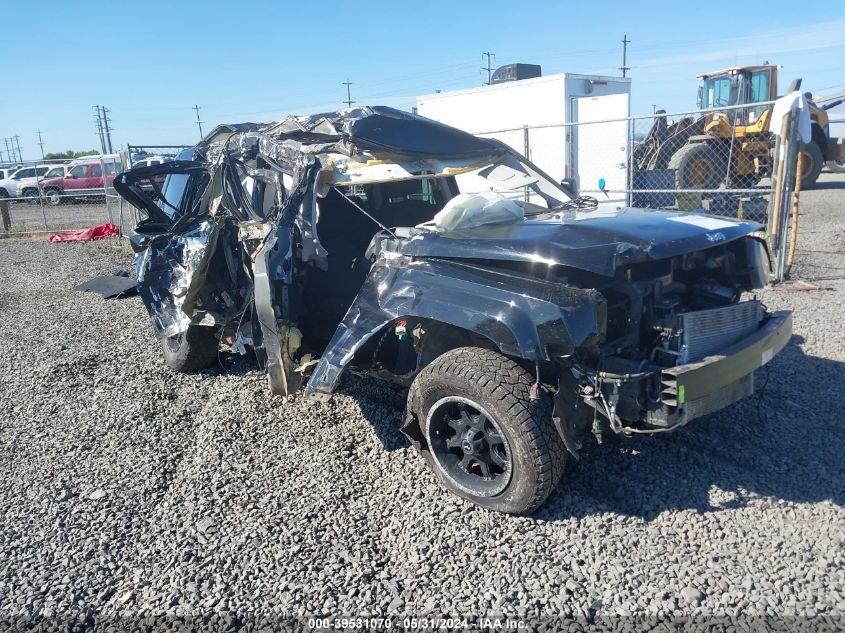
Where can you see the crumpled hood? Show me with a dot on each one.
(599, 241)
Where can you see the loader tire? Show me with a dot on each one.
(192, 350)
(485, 438)
(698, 166)
(812, 162)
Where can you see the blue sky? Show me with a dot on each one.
(151, 61)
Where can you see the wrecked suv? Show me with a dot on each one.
(522, 319)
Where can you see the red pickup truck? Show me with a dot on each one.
(83, 178)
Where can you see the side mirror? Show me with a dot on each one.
(569, 186)
(70, 175)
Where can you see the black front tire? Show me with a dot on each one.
(193, 350)
(30, 196)
(472, 383)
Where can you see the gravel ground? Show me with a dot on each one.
(128, 491)
(31, 218)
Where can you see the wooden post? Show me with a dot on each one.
(795, 203)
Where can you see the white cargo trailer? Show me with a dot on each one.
(531, 115)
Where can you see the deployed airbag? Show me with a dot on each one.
(469, 210)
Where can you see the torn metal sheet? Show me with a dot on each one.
(167, 269)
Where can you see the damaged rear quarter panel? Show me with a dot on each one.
(522, 316)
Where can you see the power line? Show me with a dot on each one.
(488, 67)
(624, 67)
(349, 100)
(41, 144)
(199, 123)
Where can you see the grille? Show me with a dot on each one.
(707, 332)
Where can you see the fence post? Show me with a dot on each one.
(786, 174)
(632, 129)
(526, 152)
(4, 215)
(40, 199)
(106, 189)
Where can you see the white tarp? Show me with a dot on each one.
(786, 104)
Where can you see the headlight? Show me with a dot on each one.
(759, 264)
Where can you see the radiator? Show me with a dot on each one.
(707, 332)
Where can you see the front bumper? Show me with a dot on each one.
(696, 389)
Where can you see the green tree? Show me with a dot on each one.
(69, 154)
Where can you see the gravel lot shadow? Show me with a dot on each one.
(382, 405)
(829, 184)
(779, 443)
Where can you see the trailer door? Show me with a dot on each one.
(600, 146)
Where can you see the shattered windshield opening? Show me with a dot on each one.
(516, 180)
(504, 190)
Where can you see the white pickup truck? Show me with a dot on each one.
(28, 187)
(9, 186)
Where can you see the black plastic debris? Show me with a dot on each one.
(118, 284)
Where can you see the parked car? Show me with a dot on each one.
(149, 161)
(9, 186)
(28, 188)
(83, 178)
(6, 172)
(522, 320)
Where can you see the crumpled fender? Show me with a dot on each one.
(524, 317)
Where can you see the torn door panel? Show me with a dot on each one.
(523, 317)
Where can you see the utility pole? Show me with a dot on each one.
(624, 67)
(488, 67)
(18, 144)
(41, 144)
(108, 130)
(199, 123)
(100, 129)
(8, 153)
(349, 100)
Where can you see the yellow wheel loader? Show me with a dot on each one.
(732, 147)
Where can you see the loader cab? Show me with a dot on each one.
(750, 85)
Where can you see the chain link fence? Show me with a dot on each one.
(717, 162)
(48, 196)
(53, 195)
(691, 161)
